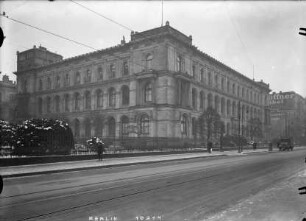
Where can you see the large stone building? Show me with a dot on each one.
(155, 86)
(288, 115)
(8, 91)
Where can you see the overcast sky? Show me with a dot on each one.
(239, 34)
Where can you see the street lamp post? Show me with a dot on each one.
(239, 119)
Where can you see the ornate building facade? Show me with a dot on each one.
(155, 86)
(8, 91)
(288, 116)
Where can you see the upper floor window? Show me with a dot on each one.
(77, 78)
(67, 80)
(194, 98)
(87, 76)
(58, 81)
(149, 59)
(125, 68)
(222, 84)
(234, 89)
(180, 63)
(99, 98)
(57, 103)
(209, 79)
(66, 102)
(100, 73)
(112, 71)
(238, 91)
(228, 86)
(77, 101)
(148, 92)
(193, 70)
(112, 97)
(48, 83)
(125, 91)
(216, 81)
(87, 100)
(202, 75)
(40, 85)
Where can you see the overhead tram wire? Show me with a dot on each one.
(59, 36)
(237, 32)
(103, 16)
(48, 32)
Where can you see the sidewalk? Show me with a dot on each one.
(34, 169)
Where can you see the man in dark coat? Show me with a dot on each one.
(100, 147)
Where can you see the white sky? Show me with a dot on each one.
(239, 34)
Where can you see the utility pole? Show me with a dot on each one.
(239, 118)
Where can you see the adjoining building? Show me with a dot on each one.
(288, 116)
(8, 91)
(155, 86)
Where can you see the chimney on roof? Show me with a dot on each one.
(167, 23)
(123, 40)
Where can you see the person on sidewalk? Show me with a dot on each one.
(101, 149)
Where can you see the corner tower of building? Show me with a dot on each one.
(36, 57)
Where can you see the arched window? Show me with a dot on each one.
(144, 124)
(40, 105)
(111, 127)
(48, 105)
(112, 71)
(125, 95)
(100, 73)
(76, 128)
(148, 92)
(124, 125)
(243, 94)
(194, 98)
(112, 97)
(149, 59)
(66, 102)
(57, 104)
(184, 124)
(202, 100)
(48, 83)
(87, 100)
(77, 101)
(99, 94)
(125, 68)
(77, 79)
(87, 129)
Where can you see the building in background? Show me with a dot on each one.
(288, 117)
(155, 87)
(8, 91)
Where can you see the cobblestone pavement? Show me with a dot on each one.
(281, 202)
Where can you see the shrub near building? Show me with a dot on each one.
(43, 137)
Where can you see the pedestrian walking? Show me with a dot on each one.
(101, 149)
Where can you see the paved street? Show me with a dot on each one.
(192, 189)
